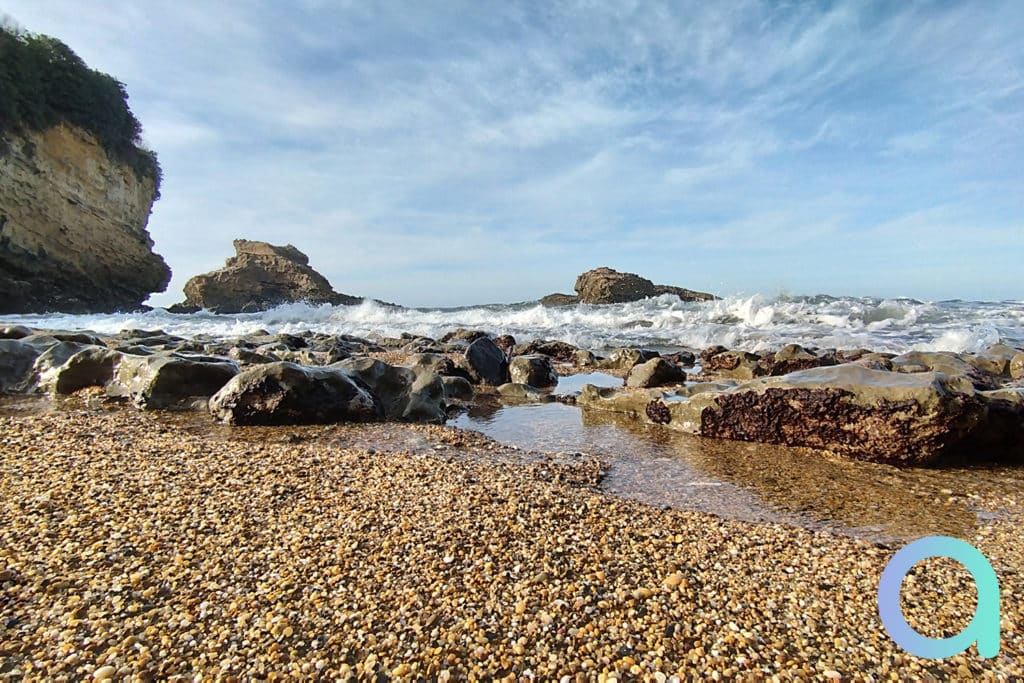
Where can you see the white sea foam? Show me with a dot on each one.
(755, 323)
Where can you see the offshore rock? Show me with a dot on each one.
(73, 227)
(260, 276)
(607, 286)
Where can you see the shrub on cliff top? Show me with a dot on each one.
(43, 82)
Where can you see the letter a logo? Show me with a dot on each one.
(984, 626)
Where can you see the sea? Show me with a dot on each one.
(754, 323)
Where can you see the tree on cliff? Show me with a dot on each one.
(43, 82)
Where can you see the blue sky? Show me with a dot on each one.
(449, 153)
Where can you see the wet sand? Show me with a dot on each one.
(158, 546)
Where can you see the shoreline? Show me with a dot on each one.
(134, 542)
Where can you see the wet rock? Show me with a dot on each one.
(656, 372)
(686, 359)
(411, 394)
(904, 419)
(945, 362)
(505, 342)
(486, 363)
(285, 393)
(14, 332)
(736, 364)
(584, 359)
(793, 357)
(16, 365)
(169, 380)
(1017, 366)
(556, 350)
(52, 358)
(518, 391)
(93, 366)
(249, 357)
(624, 359)
(457, 388)
(462, 334)
(995, 360)
(534, 370)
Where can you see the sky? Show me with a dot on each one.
(453, 153)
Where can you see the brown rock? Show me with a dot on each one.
(607, 286)
(260, 276)
(73, 227)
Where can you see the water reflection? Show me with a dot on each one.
(758, 482)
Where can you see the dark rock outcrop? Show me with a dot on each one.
(534, 370)
(73, 226)
(607, 286)
(414, 394)
(656, 372)
(284, 394)
(260, 276)
(486, 363)
(169, 380)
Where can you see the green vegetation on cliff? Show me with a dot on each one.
(43, 82)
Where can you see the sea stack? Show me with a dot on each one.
(258, 277)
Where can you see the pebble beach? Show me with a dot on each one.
(157, 546)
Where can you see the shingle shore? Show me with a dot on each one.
(139, 546)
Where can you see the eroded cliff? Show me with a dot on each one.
(73, 226)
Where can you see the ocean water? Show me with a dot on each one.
(756, 323)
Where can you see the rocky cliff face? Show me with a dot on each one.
(257, 277)
(73, 227)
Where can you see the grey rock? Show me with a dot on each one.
(486, 363)
(169, 380)
(17, 360)
(534, 370)
(285, 393)
(656, 372)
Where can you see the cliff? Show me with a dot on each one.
(260, 276)
(73, 226)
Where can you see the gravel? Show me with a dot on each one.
(150, 546)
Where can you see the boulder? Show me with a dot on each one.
(93, 366)
(556, 350)
(517, 391)
(14, 332)
(17, 360)
(793, 357)
(1017, 366)
(284, 394)
(735, 364)
(995, 360)
(946, 362)
(903, 419)
(534, 370)
(606, 286)
(656, 372)
(410, 394)
(169, 380)
(457, 388)
(260, 276)
(486, 363)
(53, 358)
(624, 359)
